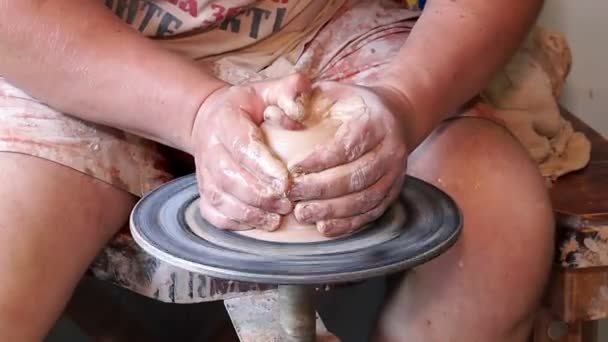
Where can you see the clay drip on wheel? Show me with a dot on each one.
(291, 146)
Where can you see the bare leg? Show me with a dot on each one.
(488, 287)
(54, 221)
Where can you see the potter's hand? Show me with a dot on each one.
(242, 185)
(353, 179)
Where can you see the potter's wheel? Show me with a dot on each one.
(419, 226)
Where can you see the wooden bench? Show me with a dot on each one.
(577, 295)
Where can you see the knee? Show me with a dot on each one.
(507, 241)
(475, 148)
(488, 172)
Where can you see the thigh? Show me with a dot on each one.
(54, 221)
(489, 285)
(66, 186)
(125, 161)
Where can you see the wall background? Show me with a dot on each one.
(585, 25)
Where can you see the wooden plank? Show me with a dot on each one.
(600, 152)
(590, 331)
(579, 295)
(581, 206)
(578, 292)
(584, 192)
(548, 329)
(582, 240)
(580, 332)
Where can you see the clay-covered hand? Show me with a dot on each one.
(241, 183)
(354, 178)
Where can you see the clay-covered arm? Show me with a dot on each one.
(79, 58)
(452, 52)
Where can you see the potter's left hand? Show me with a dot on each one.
(353, 179)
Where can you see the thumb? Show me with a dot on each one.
(289, 95)
(277, 117)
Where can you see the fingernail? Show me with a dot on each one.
(324, 227)
(304, 212)
(272, 222)
(333, 228)
(295, 193)
(284, 206)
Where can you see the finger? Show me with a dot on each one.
(352, 177)
(231, 178)
(212, 215)
(275, 116)
(341, 226)
(355, 137)
(245, 143)
(220, 220)
(349, 205)
(237, 211)
(289, 93)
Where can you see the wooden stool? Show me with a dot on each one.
(577, 295)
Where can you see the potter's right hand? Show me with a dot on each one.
(241, 183)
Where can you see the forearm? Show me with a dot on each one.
(453, 51)
(80, 59)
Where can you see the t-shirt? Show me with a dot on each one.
(249, 34)
(204, 28)
(167, 18)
